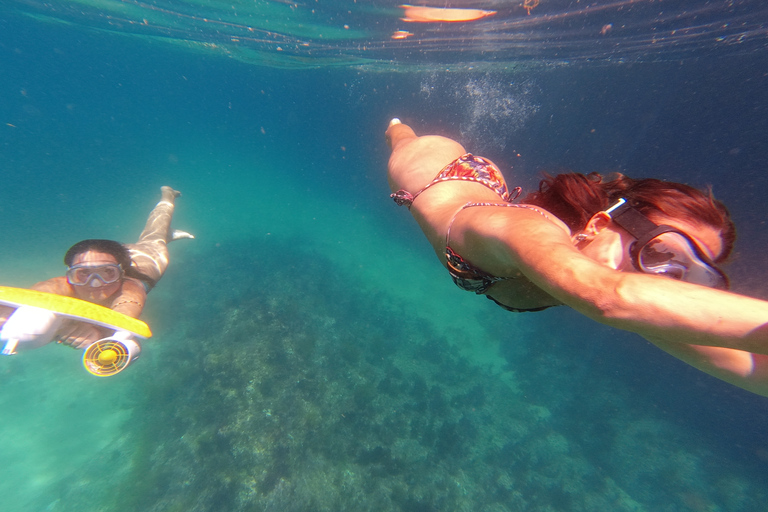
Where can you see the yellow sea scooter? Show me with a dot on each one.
(38, 316)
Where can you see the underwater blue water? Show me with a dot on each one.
(309, 353)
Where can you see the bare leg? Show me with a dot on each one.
(415, 161)
(150, 253)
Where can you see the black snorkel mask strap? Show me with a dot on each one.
(644, 230)
(635, 223)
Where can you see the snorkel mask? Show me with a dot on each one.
(664, 250)
(85, 274)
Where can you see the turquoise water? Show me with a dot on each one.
(309, 353)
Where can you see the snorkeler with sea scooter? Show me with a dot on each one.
(96, 305)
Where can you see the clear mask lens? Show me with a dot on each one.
(671, 255)
(81, 275)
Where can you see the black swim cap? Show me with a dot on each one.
(116, 249)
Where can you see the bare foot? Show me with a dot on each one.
(169, 194)
(178, 234)
(397, 132)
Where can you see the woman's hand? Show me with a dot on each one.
(80, 335)
(5, 312)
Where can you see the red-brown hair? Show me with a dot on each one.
(574, 198)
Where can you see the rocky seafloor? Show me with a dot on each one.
(284, 388)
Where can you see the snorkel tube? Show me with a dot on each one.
(39, 315)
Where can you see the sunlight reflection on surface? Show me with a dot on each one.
(385, 34)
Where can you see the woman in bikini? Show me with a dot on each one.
(639, 255)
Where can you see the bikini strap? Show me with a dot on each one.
(506, 205)
(404, 198)
(467, 167)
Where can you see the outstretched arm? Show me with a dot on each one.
(657, 308)
(744, 369)
(73, 333)
(720, 333)
(129, 301)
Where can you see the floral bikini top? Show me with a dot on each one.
(465, 168)
(477, 169)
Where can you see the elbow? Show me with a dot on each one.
(610, 301)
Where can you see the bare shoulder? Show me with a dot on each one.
(134, 287)
(57, 285)
(524, 223)
(497, 236)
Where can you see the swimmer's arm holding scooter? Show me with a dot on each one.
(128, 301)
(38, 317)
